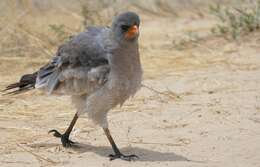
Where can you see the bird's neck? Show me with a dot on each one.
(126, 73)
(125, 60)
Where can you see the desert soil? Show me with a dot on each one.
(199, 106)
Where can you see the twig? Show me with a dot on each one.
(14, 21)
(170, 95)
(16, 49)
(15, 162)
(36, 155)
(147, 10)
(241, 11)
(151, 143)
(38, 40)
(211, 51)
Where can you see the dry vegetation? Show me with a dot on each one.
(236, 20)
(199, 105)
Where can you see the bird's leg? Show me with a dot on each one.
(118, 154)
(66, 142)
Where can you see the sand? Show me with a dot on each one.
(202, 107)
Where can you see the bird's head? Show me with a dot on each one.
(126, 27)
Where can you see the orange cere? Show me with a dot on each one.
(132, 32)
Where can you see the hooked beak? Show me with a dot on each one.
(132, 32)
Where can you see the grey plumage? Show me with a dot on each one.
(99, 68)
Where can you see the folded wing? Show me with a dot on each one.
(79, 67)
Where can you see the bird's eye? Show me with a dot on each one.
(125, 27)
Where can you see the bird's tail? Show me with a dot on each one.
(26, 83)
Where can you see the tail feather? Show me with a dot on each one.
(26, 83)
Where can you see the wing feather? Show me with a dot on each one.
(80, 65)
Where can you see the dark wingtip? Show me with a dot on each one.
(17, 91)
(25, 84)
(11, 86)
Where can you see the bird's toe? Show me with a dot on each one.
(55, 133)
(66, 142)
(123, 157)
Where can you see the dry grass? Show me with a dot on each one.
(238, 19)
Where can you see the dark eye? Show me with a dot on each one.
(125, 27)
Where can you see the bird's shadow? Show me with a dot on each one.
(143, 154)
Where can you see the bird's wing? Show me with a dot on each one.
(80, 65)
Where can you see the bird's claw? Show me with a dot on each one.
(55, 133)
(66, 142)
(123, 157)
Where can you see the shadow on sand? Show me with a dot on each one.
(143, 154)
(104, 151)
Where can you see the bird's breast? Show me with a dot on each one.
(124, 83)
(125, 72)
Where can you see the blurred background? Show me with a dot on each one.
(200, 89)
(34, 28)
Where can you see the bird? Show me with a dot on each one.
(100, 68)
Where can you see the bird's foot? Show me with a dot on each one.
(66, 142)
(123, 157)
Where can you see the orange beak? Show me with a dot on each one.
(132, 32)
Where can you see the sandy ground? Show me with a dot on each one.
(206, 113)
